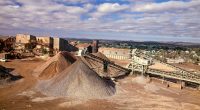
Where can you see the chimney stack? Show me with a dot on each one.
(95, 46)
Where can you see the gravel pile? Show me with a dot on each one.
(54, 65)
(79, 81)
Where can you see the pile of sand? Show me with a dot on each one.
(77, 81)
(54, 65)
(99, 54)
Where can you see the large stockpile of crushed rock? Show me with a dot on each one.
(54, 65)
(99, 54)
(78, 80)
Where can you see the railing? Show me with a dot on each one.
(177, 75)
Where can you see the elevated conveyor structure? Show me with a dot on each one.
(104, 67)
(179, 74)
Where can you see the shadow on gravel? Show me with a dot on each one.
(7, 76)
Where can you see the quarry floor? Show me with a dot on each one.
(133, 93)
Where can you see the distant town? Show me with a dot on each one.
(23, 45)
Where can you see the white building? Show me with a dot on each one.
(116, 53)
(177, 60)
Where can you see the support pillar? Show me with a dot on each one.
(163, 80)
(132, 67)
(198, 88)
(182, 84)
(143, 71)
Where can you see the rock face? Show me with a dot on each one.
(78, 80)
(54, 65)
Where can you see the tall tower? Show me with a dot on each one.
(95, 46)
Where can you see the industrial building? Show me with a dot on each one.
(24, 43)
(44, 45)
(25, 38)
(7, 43)
(87, 48)
(60, 44)
(116, 53)
(45, 40)
(41, 45)
(177, 60)
(95, 46)
(83, 48)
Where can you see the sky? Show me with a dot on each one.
(139, 20)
